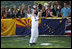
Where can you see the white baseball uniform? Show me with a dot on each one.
(34, 29)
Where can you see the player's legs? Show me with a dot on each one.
(34, 35)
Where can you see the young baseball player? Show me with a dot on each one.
(34, 28)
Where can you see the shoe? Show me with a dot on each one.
(31, 44)
(34, 43)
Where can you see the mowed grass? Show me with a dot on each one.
(23, 42)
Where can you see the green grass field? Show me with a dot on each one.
(23, 42)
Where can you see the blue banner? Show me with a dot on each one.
(48, 27)
(52, 27)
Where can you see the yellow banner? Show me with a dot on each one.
(7, 27)
(21, 22)
(24, 22)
